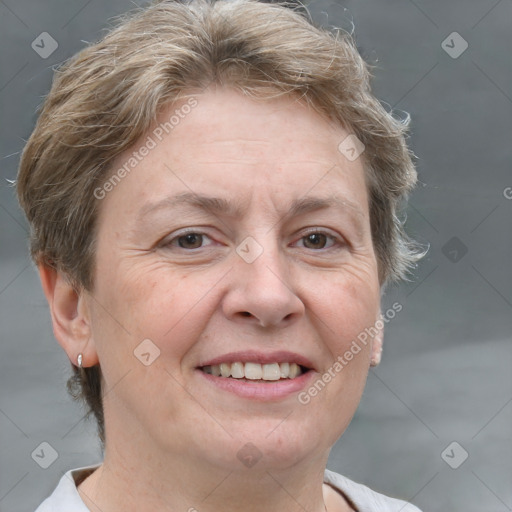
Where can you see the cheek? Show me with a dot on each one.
(139, 294)
(169, 307)
(348, 303)
(352, 308)
(135, 308)
(351, 302)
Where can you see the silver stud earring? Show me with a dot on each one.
(79, 360)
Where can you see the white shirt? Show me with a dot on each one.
(65, 497)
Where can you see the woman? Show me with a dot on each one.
(213, 196)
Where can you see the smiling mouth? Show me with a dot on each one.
(256, 372)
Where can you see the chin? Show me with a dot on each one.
(274, 447)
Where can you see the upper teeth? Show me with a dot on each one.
(255, 371)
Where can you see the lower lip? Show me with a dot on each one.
(264, 392)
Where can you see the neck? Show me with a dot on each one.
(188, 485)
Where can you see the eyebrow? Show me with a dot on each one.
(237, 208)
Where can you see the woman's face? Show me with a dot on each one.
(178, 285)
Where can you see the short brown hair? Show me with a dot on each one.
(106, 97)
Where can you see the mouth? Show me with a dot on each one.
(260, 376)
(256, 372)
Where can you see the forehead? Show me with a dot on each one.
(229, 145)
(226, 121)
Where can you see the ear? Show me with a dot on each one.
(70, 316)
(377, 342)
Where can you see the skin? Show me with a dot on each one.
(172, 438)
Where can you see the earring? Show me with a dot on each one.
(79, 361)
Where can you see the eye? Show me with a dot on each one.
(318, 239)
(188, 240)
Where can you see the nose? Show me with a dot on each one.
(263, 291)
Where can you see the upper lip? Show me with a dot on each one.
(252, 356)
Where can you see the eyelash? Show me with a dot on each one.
(336, 239)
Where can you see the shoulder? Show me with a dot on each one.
(65, 497)
(364, 498)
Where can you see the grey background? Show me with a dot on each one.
(445, 374)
